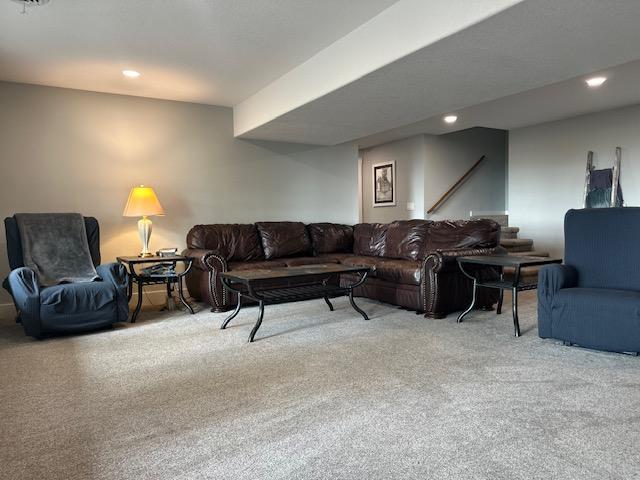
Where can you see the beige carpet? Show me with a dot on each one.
(320, 395)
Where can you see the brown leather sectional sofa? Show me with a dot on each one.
(413, 261)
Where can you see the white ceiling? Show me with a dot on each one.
(530, 45)
(496, 63)
(557, 101)
(204, 51)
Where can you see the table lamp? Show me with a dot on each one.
(143, 202)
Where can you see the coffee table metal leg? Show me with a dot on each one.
(473, 301)
(516, 323)
(233, 315)
(181, 295)
(355, 307)
(500, 300)
(514, 301)
(258, 323)
(326, 299)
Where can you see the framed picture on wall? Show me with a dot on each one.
(384, 184)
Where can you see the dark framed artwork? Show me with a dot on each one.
(384, 184)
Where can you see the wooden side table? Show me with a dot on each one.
(168, 276)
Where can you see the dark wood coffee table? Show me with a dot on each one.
(290, 284)
(515, 284)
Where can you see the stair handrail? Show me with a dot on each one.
(446, 194)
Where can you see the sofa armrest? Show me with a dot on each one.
(444, 288)
(442, 259)
(25, 291)
(213, 263)
(116, 274)
(206, 259)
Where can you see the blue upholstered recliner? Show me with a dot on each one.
(593, 300)
(68, 307)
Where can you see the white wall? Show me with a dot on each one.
(547, 168)
(428, 165)
(66, 150)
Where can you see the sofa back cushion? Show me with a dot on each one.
(331, 237)
(369, 239)
(453, 234)
(406, 239)
(602, 245)
(284, 239)
(235, 242)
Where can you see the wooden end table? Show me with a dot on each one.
(169, 277)
(515, 284)
(290, 284)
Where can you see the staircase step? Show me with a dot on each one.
(510, 229)
(517, 244)
(531, 253)
(509, 235)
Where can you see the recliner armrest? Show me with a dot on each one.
(116, 274)
(25, 291)
(552, 278)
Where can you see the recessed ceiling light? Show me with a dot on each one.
(595, 81)
(131, 73)
(450, 119)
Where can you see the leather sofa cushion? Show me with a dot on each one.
(364, 261)
(406, 239)
(284, 239)
(369, 239)
(297, 261)
(331, 237)
(235, 242)
(256, 265)
(334, 257)
(447, 235)
(406, 272)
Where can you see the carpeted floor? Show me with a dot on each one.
(321, 395)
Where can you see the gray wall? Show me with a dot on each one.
(547, 168)
(428, 165)
(66, 150)
(450, 156)
(409, 156)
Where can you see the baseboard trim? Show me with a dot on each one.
(150, 297)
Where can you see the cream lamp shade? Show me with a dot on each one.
(143, 202)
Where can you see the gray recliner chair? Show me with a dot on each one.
(67, 307)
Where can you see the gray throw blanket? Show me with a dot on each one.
(55, 246)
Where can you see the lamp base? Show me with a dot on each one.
(144, 230)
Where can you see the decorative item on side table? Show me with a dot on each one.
(143, 202)
(158, 270)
